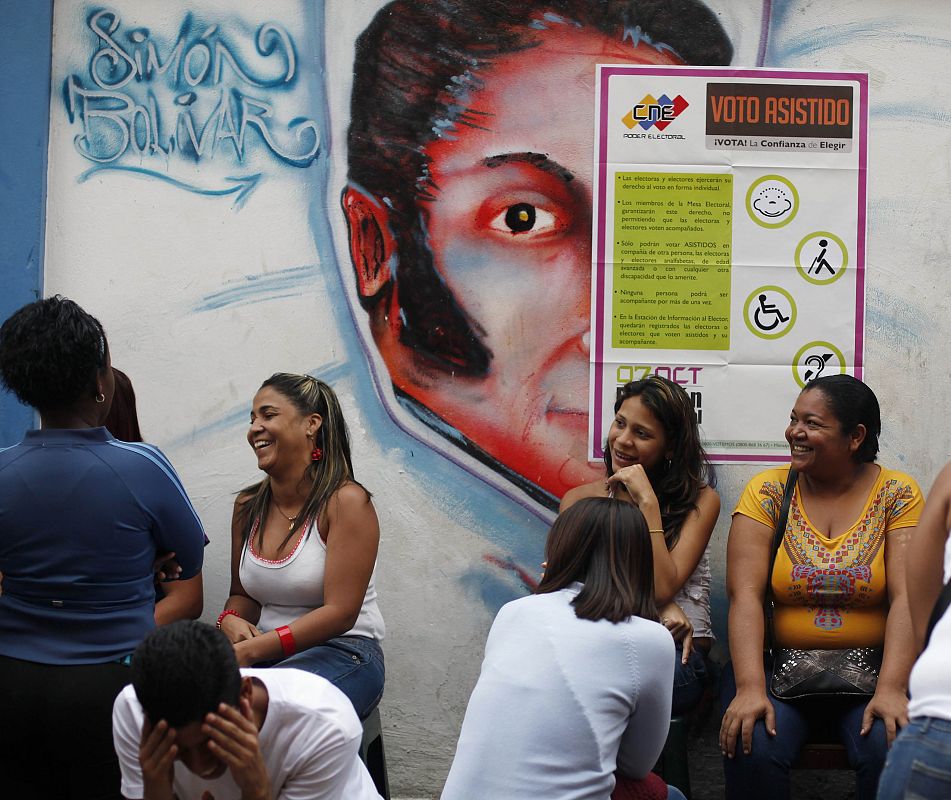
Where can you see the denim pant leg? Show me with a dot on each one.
(764, 772)
(919, 762)
(354, 664)
(689, 680)
(866, 753)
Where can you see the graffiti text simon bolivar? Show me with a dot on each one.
(201, 97)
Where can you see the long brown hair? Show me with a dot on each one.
(605, 544)
(310, 396)
(679, 480)
(123, 420)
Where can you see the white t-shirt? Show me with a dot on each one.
(929, 684)
(310, 740)
(561, 703)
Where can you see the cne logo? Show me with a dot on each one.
(654, 112)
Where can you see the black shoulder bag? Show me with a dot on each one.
(806, 673)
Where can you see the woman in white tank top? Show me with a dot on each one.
(304, 546)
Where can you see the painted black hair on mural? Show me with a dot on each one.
(50, 352)
(415, 64)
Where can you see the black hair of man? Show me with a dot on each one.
(183, 671)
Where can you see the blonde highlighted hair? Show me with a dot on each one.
(310, 396)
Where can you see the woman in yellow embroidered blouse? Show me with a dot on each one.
(838, 582)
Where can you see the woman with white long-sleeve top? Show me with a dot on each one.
(573, 701)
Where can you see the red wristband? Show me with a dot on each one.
(224, 614)
(288, 645)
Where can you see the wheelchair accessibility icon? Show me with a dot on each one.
(770, 312)
(766, 310)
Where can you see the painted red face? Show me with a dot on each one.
(510, 232)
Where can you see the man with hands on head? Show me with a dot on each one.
(192, 725)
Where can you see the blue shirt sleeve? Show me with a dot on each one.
(175, 524)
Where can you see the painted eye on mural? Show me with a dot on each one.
(523, 218)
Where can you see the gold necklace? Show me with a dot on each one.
(291, 520)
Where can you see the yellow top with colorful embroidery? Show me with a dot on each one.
(831, 593)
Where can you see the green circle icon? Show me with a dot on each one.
(817, 362)
(766, 316)
(822, 269)
(772, 201)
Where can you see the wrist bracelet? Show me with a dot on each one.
(288, 645)
(224, 614)
(656, 530)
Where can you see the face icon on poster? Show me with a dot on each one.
(817, 360)
(772, 201)
(821, 257)
(770, 312)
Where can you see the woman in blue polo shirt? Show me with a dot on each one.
(82, 518)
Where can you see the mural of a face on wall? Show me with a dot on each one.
(469, 210)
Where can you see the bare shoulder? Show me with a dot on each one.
(350, 496)
(572, 496)
(349, 509)
(708, 498)
(942, 484)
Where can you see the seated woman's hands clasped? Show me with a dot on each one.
(832, 571)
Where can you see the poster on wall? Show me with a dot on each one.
(728, 242)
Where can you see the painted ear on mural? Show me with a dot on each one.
(371, 243)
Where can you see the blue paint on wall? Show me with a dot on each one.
(289, 282)
(25, 53)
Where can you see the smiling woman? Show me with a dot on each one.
(838, 580)
(653, 458)
(304, 546)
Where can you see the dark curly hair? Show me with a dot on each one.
(182, 671)
(50, 352)
(678, 482)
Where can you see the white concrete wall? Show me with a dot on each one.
(203, 297)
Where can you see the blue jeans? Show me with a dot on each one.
(689, 680)
(919, 763)
(764, 773)
(354, 664)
